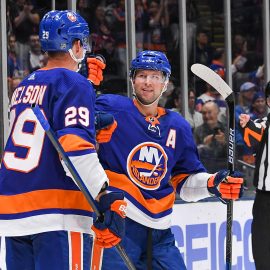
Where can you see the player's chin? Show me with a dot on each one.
(146, 101)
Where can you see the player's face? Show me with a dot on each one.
(148, 85)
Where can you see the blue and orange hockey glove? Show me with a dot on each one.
(104, 135)
(225, 186)
(103, 120)
(95, 67)
(111, 229)
(105, 126)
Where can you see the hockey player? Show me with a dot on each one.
(150, 157)
(43, 214)
(256, 136)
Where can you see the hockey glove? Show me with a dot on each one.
(95, 69)
(105, 126)
(225, 186)
(111, 229)
(104, 135)
(103, 120)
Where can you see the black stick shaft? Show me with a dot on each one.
(231, 157)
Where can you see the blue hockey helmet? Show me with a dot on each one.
(58, 29)
(152, 60)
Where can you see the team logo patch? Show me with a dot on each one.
(147, 165)
(71, 17)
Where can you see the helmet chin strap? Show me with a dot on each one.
(156, 100)
(77, 60)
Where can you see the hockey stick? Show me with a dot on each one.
(251, 166)
(226, 92)
(51, 135)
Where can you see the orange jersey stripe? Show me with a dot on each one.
(76, 250)
(43, 199)
(178, 179)
(251, 133)
(97, 256)
(155, 206)
(72, 142)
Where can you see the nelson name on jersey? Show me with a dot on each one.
(28, 94)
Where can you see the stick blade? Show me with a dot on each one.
(212, 78)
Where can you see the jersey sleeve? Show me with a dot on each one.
(107, 103)
(74, 122)
(73, 118)
(188, 162)
(253, 133)
(101, 104)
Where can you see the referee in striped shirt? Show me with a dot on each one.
(256, 135)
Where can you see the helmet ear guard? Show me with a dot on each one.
(167, 77)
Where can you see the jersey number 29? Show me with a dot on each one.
(32, 141)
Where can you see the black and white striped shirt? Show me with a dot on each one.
(262, 165)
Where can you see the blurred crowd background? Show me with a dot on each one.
(157, 28)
